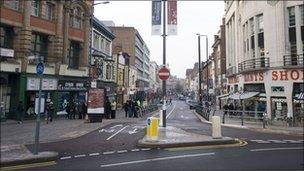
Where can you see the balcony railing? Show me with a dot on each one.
(231, 71)
(253, 64)
(293, 60)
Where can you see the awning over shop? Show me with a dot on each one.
(245, 95)
(299, 96)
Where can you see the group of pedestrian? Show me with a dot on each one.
(132, 108)
(74, 109)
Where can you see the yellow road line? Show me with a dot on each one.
(24, 166)
(240, 144)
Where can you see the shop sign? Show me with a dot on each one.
(70, 85)
(254, 77)
(285, 75)
(47, 84)
(233, 80)
(6, 52)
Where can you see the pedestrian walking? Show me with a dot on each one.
(20, 112)
(108, 108)
(113, 109)
(84, 109)
(49, 111)
(133, 109)
(125, 107)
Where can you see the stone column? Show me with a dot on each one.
(83, 61)
(58, 44)
(65, 35)
(25, 35)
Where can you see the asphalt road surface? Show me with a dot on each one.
(114, 148)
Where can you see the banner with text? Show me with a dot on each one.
(156, 17)
(172, 17)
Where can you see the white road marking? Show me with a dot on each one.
(135, 150)
(133, 131)
(145, 149)
(120, 125)
(274, 149)
(122, 151)
(171, 111)
(64, 158)
(94, 154)
(277, 141)
(109, 152)
(107, 130)
(117, 132)
(260, 141)
(157, 159)
(81, 155)
(293, 141)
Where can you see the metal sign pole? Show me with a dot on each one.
(38, 118)
(164, 62)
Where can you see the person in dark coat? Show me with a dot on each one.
(49, 111)
(133, 108)
(108, 108)
(84, 109)
(20, 112)
(126, 108)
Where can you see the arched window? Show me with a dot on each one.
(76, 17)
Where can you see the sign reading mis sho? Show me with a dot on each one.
(275, 75)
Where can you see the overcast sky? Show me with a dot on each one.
(202, 17)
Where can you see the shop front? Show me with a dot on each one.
(70, 91)
(298, 102)
(49, 88)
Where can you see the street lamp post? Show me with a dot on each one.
(199, 69)
(199, 64)
(164, 62)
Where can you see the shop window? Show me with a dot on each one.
(74, 53)
(50, 11)
(35, 8)
(6, 37)
(39, 45)
(13, 4)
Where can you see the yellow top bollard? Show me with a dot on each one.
(152, 128)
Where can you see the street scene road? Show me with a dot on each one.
(114, 148)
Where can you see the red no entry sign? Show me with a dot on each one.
(163, 73)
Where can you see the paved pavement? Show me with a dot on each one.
(257, 125)
(15, 137)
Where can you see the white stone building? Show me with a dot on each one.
(264, 49)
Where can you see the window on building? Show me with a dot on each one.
(292, 30)
(6, 37)
(108, 72)
(39, 45)
(96, 40)
(74, 54)
(107, 48)
(260, 23)
(76, 17)
(35, 7)
(13, 4)
(291, 16)
(50, 11)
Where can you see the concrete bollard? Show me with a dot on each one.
(161, 118)
(216, 127)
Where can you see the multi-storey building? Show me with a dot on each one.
(154, 84)
(55, 32)
(264, 45)
(219, 61)
(133, 44)
(102, 58)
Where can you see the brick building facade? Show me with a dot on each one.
(55, 31)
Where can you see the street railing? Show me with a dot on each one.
(204, 111)
(293, 60)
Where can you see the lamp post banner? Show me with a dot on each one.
(172, 17)
(156, 17)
